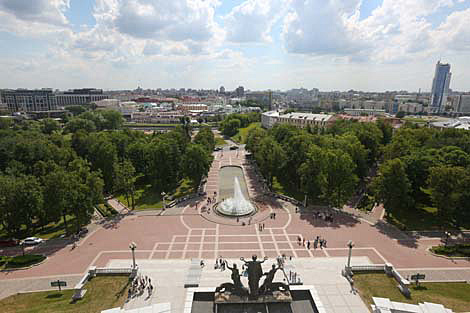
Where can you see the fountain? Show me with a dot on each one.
(237, 205)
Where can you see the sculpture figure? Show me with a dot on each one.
(236, 287)
(255, 272)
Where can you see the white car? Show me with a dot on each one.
(32, 241)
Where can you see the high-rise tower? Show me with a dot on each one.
(440, 87)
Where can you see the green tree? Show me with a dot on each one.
(444, 184)
(76, 109)
(112, 119)
(78, 123)
(205, 138)
(5, 123)
(49, 126)
(255, 135)
(270, 158)
(196, 163)
(339, 177)
(311, 172)
(21, 202)
(392, 186)
(124, 180)
(230, 127)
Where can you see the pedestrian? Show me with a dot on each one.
(324, 243)
(274, 215)
(263, 226)
(321, 243)
(299, 240)
(303, 242)
(315, 244)
(201, 263)
(308, 244)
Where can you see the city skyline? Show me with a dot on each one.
(369, 45)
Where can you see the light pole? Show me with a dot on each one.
(132, 246)
(163, 197)
(447, 238)
(350, 246)
(305, 201)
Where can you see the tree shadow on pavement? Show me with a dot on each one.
(392, 232)
(316, 218)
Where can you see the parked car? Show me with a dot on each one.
(217, 148)
(9, 242)
(32, 241)
(233, 147)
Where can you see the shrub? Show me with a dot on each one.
(459, 250)
(25, 260)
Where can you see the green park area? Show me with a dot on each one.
(50, 231)
(102, 293)
(147, 198)
(242, 133)
(454, 296)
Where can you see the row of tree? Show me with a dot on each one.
(48, 173)
(427, 167)
(325, 164)
(233, 122)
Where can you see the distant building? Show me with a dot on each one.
(302, 99)
(80, 96)
(457, 123)
(464, 104)
(25, 100)
(240, 91)
(222, 89)
(440, 87)
(192, 107)
(359, 112)
(269, 119)
(262, 97)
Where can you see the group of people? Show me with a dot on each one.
(317, 242)
(261, 226)
(327, 217)
(220, 263)
(272, 216)
(139, 285)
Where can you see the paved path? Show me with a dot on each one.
(13, 286)
(438, 275)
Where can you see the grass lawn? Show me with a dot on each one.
(455, 296)
(219, 141)
(50, 231)
(421, 218)
(240, 137)
(146, 198)
(102, 293)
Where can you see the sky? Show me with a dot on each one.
(369, 45)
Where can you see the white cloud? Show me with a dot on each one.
(42, 11)
(253, 20)
(396, 31)
(454, 32)
(321, 27)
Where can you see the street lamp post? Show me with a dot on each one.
(447, 238)
(163, 197)
(305, 201)
(132, 246)
(350, 246)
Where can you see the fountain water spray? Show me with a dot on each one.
(237, 205)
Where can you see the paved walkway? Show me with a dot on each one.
(438, 275)
(10, 287)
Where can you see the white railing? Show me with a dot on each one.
(365, 268)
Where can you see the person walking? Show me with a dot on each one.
(308, 244)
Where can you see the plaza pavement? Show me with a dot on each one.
(184, 233)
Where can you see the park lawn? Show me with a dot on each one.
(102, 293)
(219, 141)
(49, 231)
(240, 137)
(147, 198)
(421, 218)
(454, 296)
(458, 250)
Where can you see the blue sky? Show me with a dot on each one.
(371, 45)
